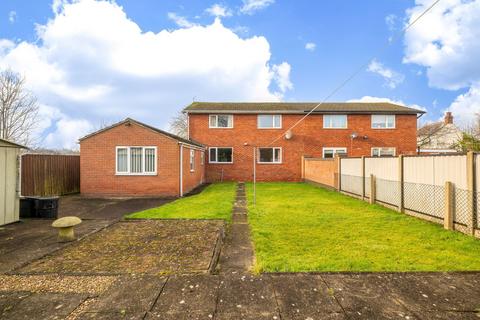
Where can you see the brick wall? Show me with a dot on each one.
(309, 138)
(192, 179)
(97, 164)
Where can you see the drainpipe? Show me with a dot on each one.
(181, 170)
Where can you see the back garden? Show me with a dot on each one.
(296, 227)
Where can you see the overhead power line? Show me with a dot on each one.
(357, 71)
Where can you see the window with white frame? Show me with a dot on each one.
(192, 160)
(383, 152)
(269, 121)
(269, 155)
(221, 121)
(136, 160)
(335, 121)
(330, 153)
(383, 121)
(220, 155)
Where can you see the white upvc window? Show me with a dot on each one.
(269, 121)
(383, 152)
(192, 160)
(220, 155)
(220, 121)
(335, 121)
(330, 153)
(136, 160)
(383, 121)
(269, 155)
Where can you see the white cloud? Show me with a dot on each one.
(388, 100)
(392, 78)
(12, 16)
(391, 21)
(109, 68)
(310, 46)
(281, 75)
(180, 21)
(466, 106)
(218, 10)
(252, 6)
(445, 41)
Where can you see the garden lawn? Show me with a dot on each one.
(214, 202)
(299, 227)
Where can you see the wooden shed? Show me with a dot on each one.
(9, 181)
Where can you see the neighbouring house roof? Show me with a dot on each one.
(7, 143)
(300, 107)
(129, 120)
(438, 135)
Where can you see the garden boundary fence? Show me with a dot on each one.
(438, 188)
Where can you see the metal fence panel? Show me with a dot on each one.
(462, 212)
(388, 191)
(425, 198)
(383, 168)
(351, 184)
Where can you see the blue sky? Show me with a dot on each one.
(92, 62)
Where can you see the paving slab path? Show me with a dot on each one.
(237, 253)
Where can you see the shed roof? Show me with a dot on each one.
(7, 143)
(300, 107)
(129, 120)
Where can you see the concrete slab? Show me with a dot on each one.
(246, 297)
(366, 296)
(129, 296)
(9, 300)
(31, 239)
(437, 292)
(45, 306)
(301, 296)
(154, 247)
(192, 295)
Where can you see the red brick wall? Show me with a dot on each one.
(192, 179)
(308, 139)
(97, 164)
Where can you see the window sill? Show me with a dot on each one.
(335, 128)
(269, 128)
(137, 174)
(383, 128)
(220, 127)
(269, 162)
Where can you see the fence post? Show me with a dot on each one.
(339, 179)
(303, 167)
(363, 177)
(448, 217)
(401, 204)
(373, 188)
(470, 188)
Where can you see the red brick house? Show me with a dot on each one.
(232, 130)
(131, 158)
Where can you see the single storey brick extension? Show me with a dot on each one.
(232, 130)
(131, 158)
(134, 159)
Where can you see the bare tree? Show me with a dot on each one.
(179, 124)
(18, 109)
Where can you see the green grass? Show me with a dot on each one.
(215, 202)
(299, 227)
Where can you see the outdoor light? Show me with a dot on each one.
(288, 135)
(354, 135)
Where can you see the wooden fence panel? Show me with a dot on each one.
(50, 175)
(322, 171)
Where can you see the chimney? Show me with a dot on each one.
(448, 118)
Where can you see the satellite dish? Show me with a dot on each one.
(288, 135)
